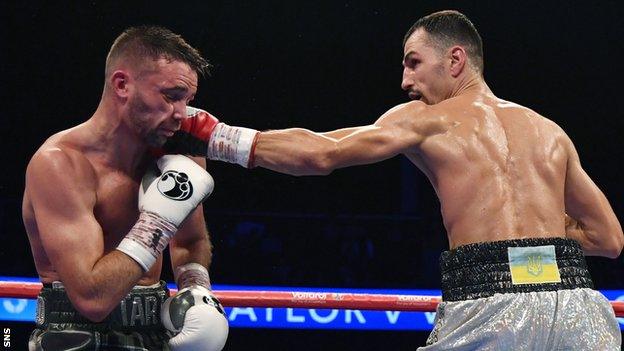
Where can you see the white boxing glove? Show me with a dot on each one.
(175, 188)
(168, 193)
(198, 319)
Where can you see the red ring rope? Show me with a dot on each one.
(233, 298)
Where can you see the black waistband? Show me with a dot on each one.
(139, 310)
(482, 270)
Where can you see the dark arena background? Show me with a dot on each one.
(321, 66)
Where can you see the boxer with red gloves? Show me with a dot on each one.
(510, 185)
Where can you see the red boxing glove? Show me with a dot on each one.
(201, 134)
(199, 123)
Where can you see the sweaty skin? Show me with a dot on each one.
(500, 170)
(82, 189)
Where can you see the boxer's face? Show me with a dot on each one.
(158, 102)
(425, 76)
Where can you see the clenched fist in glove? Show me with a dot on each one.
(194, 313)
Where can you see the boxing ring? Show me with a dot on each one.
(292, 299)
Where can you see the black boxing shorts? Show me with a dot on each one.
(133, 325)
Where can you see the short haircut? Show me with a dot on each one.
(152, 42)
(448, 28)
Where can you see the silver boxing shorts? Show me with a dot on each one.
(526, 294)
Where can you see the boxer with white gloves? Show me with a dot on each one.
(194, 313)
(98, 218)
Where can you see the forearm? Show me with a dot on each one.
(573, 230)
(190, 260)
(340, 133)
(95, 292)
(198, 251)
(192, 242)
(295, 151)
(594, 241)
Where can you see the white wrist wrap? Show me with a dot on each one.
(147, 239)
(231, 144)
(192, 274)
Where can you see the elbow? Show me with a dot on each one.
(604, 240)
(91, 306)
(313, 163)
(617, 242)
(320, 167)
(616, 247)
(92, 310)
(96, 316)
(321, 161)
(611, 247)
(612, 253)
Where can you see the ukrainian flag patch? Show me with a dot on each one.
(533, 264)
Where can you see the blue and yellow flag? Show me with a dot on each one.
(534, 264)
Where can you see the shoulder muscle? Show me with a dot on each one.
(60, 179)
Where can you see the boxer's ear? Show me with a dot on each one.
(458, 60)
(119, 82)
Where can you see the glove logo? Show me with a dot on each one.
(212, 301)
(175, 185)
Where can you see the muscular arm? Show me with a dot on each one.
(62, 192)
(192, 243)
(299, 151)
(591, 220)
(341, 133)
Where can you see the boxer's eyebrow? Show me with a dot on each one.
(176, 89)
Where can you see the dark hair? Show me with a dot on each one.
(448, 28)
(138, 43)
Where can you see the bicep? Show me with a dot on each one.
(63, 206)
(369, 145)
(393, 133)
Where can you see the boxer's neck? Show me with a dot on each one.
(120, 146)
(470, 84)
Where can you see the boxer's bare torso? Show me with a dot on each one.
(498, 169)
(112, 192)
